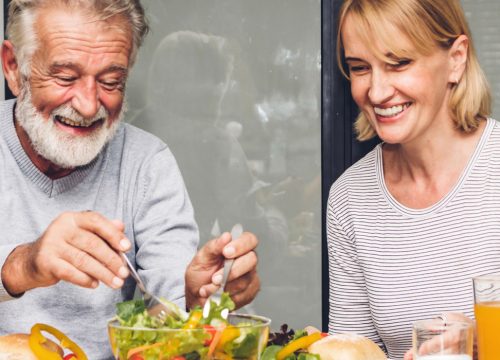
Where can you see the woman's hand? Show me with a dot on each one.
(448, 340)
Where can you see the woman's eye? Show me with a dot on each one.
(401, 63)
(358, 68)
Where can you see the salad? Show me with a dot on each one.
(134, 335)
(291, 345)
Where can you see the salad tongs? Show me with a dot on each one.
(236, 232)
(156, 307)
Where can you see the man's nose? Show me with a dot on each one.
(381, 88)
(85, 99)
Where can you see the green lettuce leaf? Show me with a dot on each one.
(270, 352)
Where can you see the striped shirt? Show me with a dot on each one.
(390, 265)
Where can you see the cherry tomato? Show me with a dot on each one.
(211, 330)
(70, 357)
(179, 358)
(136, 357)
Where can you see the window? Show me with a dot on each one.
(483, 21)
(233, 87)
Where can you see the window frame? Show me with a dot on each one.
(339, 147)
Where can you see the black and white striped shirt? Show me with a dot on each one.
(390, 265)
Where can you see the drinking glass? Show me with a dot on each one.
(438, 340)
(487, 311)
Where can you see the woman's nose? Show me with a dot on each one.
(381, 88)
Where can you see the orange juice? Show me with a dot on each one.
(488, 329)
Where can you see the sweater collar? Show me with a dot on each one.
(44, 183)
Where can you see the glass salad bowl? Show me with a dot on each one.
(239, 337)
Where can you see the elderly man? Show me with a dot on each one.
(78, 186)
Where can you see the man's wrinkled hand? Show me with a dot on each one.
(204, 273)
(77, 247)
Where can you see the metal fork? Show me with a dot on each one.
(236, 232)
(155, 306)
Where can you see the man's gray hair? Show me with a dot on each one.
(22, 15)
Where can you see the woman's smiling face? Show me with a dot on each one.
(404, 98)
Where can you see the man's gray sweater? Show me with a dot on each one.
(135, 179)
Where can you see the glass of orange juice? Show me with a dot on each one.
(487, 312)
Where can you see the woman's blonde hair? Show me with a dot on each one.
(427, 24)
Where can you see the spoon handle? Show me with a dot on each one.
(134, 273)
(236, 232)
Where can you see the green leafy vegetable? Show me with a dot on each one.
(307, 356)
(126, 310)
(192, 343)
(270, 352)
(215, 309)
(278, 340)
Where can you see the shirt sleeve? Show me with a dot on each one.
(165, 231)
(348, 299)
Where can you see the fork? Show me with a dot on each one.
(155, 306)
(236, 232)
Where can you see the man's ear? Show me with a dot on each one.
(458, 58)
(10, 67)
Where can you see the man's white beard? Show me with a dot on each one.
(53, 144)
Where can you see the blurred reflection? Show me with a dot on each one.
(200, 104)
(240, 109)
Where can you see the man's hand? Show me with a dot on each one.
(449, 339)
(77, 247)
(204, 273)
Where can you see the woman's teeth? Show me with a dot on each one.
(70, 122)
(392, 111)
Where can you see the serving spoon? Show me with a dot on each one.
(155, 306)
(236, 232)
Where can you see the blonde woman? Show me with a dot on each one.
(411, 223)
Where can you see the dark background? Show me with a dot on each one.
(339, 147)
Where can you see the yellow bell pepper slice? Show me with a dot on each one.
(230, 333)
(194, 319)
(297, 344)
(36, 340)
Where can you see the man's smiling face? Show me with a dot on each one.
(72, 102)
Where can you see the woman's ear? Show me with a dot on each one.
(10, 67)
(458, 58)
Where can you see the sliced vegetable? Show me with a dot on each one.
(230, 333)
(36, 340)
(136, 357)
(270, 352)
(194, 319)
(215, 340)
(211, 331)
(297, 344)
(140, 349)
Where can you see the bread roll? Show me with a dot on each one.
(16, 347)
(346, 347)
